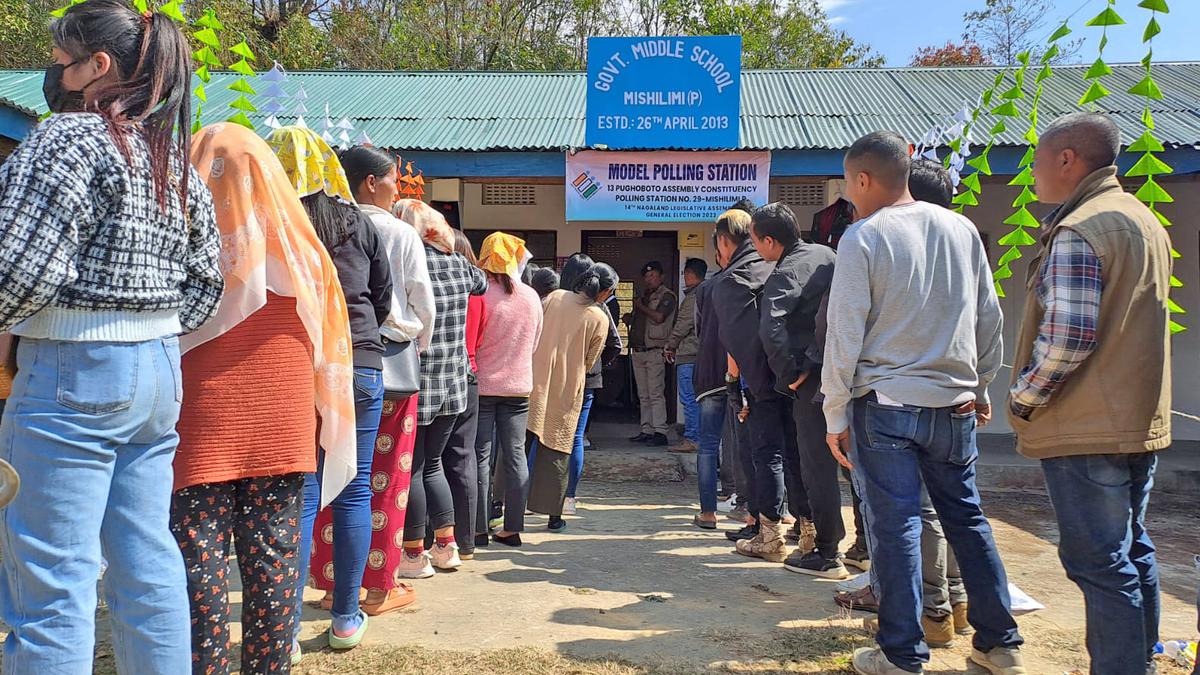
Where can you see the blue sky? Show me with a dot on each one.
(897, 28)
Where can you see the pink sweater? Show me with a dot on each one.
(511, 329)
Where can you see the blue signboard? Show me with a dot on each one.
(664, 92)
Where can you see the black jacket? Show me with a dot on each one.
(612, 347)
(366, 278)
(735, 295)
(790, 303)
(708, 377)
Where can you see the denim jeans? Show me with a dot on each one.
(575, 464)
(894, 448)
(776, 458)
(708, 457)
(1100, 502)
(351, 508)
(91, 429)
(503, 418)
(687, 396)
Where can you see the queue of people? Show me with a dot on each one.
(232, 344)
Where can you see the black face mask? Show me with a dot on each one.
(57, 97)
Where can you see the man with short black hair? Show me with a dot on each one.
(791, 299)
(649, 327)
(913, 341)
(681, 350)
(1096, 411)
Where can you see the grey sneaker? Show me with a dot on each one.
(871, 661)
(999, 660)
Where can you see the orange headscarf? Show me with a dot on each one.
(269, 244)
(430, 224)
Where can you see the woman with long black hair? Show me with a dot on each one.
(366, 278)
(110, 251)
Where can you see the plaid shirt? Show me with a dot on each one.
(1069, 289)
(444, 364)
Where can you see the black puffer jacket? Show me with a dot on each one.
(708, 377)
(736, 296)
(789, 308)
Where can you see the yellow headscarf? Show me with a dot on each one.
(312, 166)
(268, 244)
(502, 253)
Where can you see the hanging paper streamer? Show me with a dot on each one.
(274, 94)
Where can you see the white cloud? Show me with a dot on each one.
(831, 8)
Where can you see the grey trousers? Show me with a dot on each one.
(730, 471)
(940, 578)
(501, 439)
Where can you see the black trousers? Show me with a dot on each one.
(261, 516)
(461, 465)
(819, 470)
(747, 487)
(429, 498)
(776, 458)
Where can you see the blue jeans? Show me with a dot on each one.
(1100, 502)
(708, 457)
(895, 448)
(91, 428)
(575, 464)
(687, 395)
(351, 508)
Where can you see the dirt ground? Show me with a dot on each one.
(632, 588)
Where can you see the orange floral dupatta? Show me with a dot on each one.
(269, 244)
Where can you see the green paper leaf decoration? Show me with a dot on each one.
(1094, 93)
(1031, 134)
(1148, 88)
(999, 79)
(200, 93)
(140, 6)
(1013, 94)
(1166, 222)
(1049, 55)
(1152, 29)
(1175, 282)
(241, 119)
(1108, 17)
(243, 103)
(203, 74)
(58, 13)
(1176, 328)
(1146, 143)
(1010, 255)
(1174, 307)
(1022, 218)
(1146, 61)
(1007, 109)
(1148, 119)
(1024, 199)
(242, 86)
(1024, 178)
(1103, 42)
(172, 10)
(1002, 273)
(1098, 69)
(208, 36)
(987, 97)
(999, 128)
(965, 198)
(1018, 237)
(981, 164)
(1176, 254)
(196, 126)
(956, 146)
(1027, 158)
(243, 68)
(1063, 31)
(1151, 191)
(206, 56)
(210, 20)
(1023, 57)
(243, 50)
(999, 290)
(1044, 75)
(1155, 6)
(1149, 165)
(972, 183)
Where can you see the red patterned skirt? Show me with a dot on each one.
(391, 473)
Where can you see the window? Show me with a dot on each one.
(802, 194)
(509, 194)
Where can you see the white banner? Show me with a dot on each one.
(663, 186)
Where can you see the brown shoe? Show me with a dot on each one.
(394, 600)
(684, 447)
(939, 631)
(863, 600)
(768, 545)
(806, 534)
(961, 625)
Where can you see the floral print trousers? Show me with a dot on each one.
(261, 516)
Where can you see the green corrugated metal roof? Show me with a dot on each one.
(781, 109)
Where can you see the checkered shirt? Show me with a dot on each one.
(1068, 288)
(444, 365)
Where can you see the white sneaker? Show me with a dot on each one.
(568, 506)
(414, 566)
(727, 505)
(853, 584)
(445, 556)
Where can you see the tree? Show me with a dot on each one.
(1005, 28)
(24, 40)
(966, 53)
